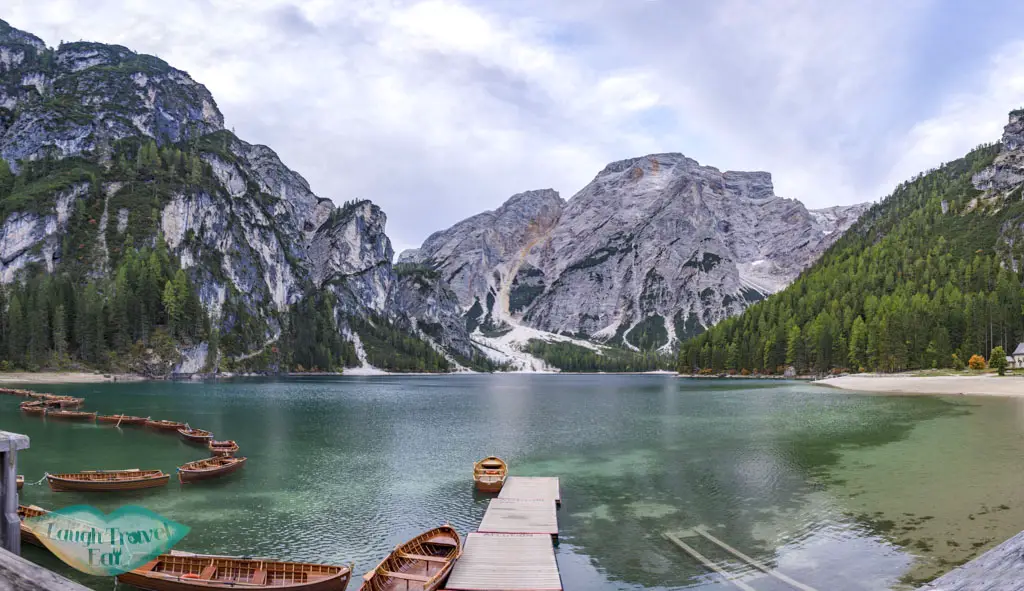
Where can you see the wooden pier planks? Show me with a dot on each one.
(520, 516)
(532, 487)
(506, 562)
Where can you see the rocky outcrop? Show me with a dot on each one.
(28, 237)
(1007, 171)
(81, 97)
(652, 250)
(430, 305)
(471, 252)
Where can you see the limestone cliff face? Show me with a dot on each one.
(254, 233)
(80, 97)
(1007, 171)
(1002, 188)
(658, 243)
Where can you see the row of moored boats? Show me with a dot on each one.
(222, 460)
(420, 564)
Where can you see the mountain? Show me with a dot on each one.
(137, 233)
(653, 250)
(928, 277)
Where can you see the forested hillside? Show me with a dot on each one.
(926, 278)
(138, 234)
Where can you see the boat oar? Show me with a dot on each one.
(119, 419)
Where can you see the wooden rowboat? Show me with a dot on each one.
(223, 448)
(122, 419)
(33, 407)
(421, 564)
(489, 474)
(63, 401)
(196, 435)
(19, 480)
(107, 480)
(179, 571)
(25, 512)
(163, 425)
(71, 415)
(209, 468)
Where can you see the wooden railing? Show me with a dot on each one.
(10, 527)
(15, 571)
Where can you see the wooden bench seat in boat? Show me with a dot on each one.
(406, 577)
(424, 557)
(208, 573)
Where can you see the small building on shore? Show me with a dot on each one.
(1018, 357)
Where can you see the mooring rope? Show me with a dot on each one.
(40, 481)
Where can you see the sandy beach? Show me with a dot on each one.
(982, 385)
(62, 377)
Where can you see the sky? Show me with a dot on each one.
(439, 109)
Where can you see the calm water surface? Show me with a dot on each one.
(837, 490)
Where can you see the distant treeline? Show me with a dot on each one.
(571, 357)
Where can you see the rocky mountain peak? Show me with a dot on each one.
(1013, 133)
(84, 96)
(652, 250)
(653, 174)
(531, 201)
(11, 36)
(1007, 170)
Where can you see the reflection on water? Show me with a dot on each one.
(839, 491)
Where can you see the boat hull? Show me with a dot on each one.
(71, 416)
(172, 427)
(58, 484)
(196, 475)
(145, 578)
(489, 486)
(489, 474)
(193, 438)
(27, 535)
(424, 561)
(114, 419)
(219, 449)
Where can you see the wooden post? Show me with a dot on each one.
(10, 526)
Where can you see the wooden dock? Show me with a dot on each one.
(506, 562)
(513, 549)
(520, 516)
(530, 487)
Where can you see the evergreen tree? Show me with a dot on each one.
(795, 348)
(60, 335)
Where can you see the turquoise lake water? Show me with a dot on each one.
(837, 490)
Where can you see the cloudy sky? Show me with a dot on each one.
(438, 109)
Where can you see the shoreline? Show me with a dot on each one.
(65, 377)
(82, 377)
(981, 385)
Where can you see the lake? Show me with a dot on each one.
(837, 490)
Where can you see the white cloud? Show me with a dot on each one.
(965, 120)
